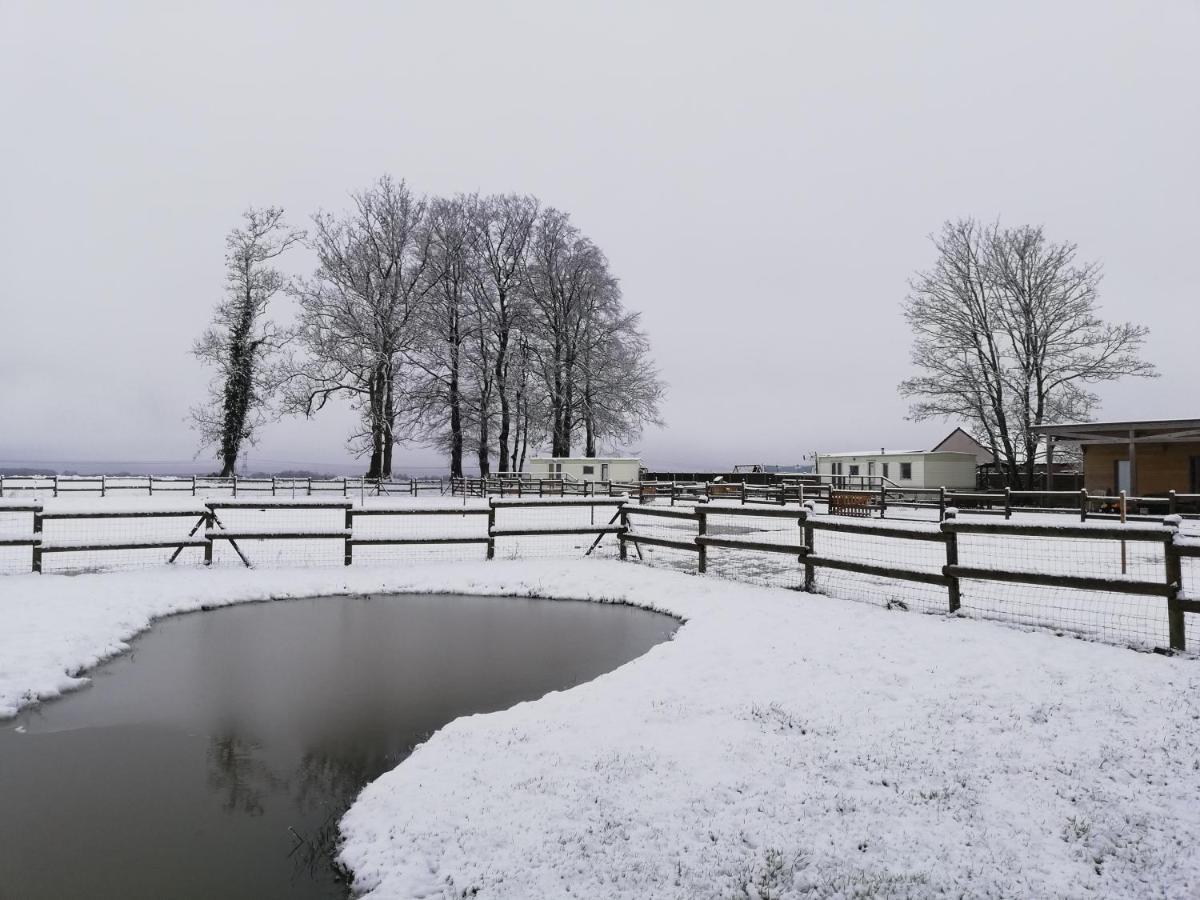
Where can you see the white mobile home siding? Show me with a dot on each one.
(930, 469)
(624, 470)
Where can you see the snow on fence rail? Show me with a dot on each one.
(1136, 583)
(212, 485)
(1124, 583)
(249, 531)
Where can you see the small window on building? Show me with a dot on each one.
(885, 470)
(906, 471)
(588, 470)
(853, 469)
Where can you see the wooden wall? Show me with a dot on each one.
(1160, 467)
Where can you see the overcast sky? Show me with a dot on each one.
(763, 178)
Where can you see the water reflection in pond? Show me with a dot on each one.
(215, 759)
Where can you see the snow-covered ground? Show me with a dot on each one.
(782, 745)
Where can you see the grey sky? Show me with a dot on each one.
(763, 178)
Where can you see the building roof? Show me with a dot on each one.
(1150, 431)
(585, 459)
(897, 453)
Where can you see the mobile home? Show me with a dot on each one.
(900, 468)
(584, 468)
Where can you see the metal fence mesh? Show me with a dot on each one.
(313, 531)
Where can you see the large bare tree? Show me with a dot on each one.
(1008, 336)
(438, 389)
(361, 313)
(242, 339)
(500, 233)
(621, 385)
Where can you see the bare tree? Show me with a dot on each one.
(361, 311)
(241, 340)
(1008, 336)
(622, 388)
(500, 233)
(439, 359)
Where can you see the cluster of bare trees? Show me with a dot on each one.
(1007, 336)
(488, 326)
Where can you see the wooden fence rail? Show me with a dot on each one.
(620, 517)
(951, 574)
(210, 528)
(204, 485)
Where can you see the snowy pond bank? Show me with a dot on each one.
(781, 745)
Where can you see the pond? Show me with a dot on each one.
(216, 757)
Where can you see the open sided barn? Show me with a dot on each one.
(1140, 458)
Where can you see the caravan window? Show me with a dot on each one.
(906, 471)
(588, 470)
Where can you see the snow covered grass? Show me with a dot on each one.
(782, 745)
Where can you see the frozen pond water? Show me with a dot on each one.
(216, 757)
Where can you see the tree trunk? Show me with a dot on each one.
(523, 426)
(501, 370)
(456, 436)
(482, 446)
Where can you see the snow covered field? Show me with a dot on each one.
(782, 745)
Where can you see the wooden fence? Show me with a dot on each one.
(208, 485)
(210, 527)
(946, 533)
(689, 530)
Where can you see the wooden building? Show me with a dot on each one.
(1142, 458)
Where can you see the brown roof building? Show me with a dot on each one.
(1141, 458)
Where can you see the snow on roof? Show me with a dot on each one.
(585, 459)
(898, 453)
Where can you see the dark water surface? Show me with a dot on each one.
(215, 759)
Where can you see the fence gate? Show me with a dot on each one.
(851, 503)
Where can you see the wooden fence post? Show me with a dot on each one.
(625, 525)
(55, 485)
(349, 536)
(37, 537)
(272, 485)
(942, 504)
(1174, 565)
(209, 522)
(102, 486)
(952, 560)
(1008, 503)
(491, 545)
(701, 529)
(1083, 504)
(810, 572)
(235, 485)
(1171, 503)
(193, 485)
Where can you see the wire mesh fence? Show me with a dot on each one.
(1136, 584)
(45, 487)
(1096, 580)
